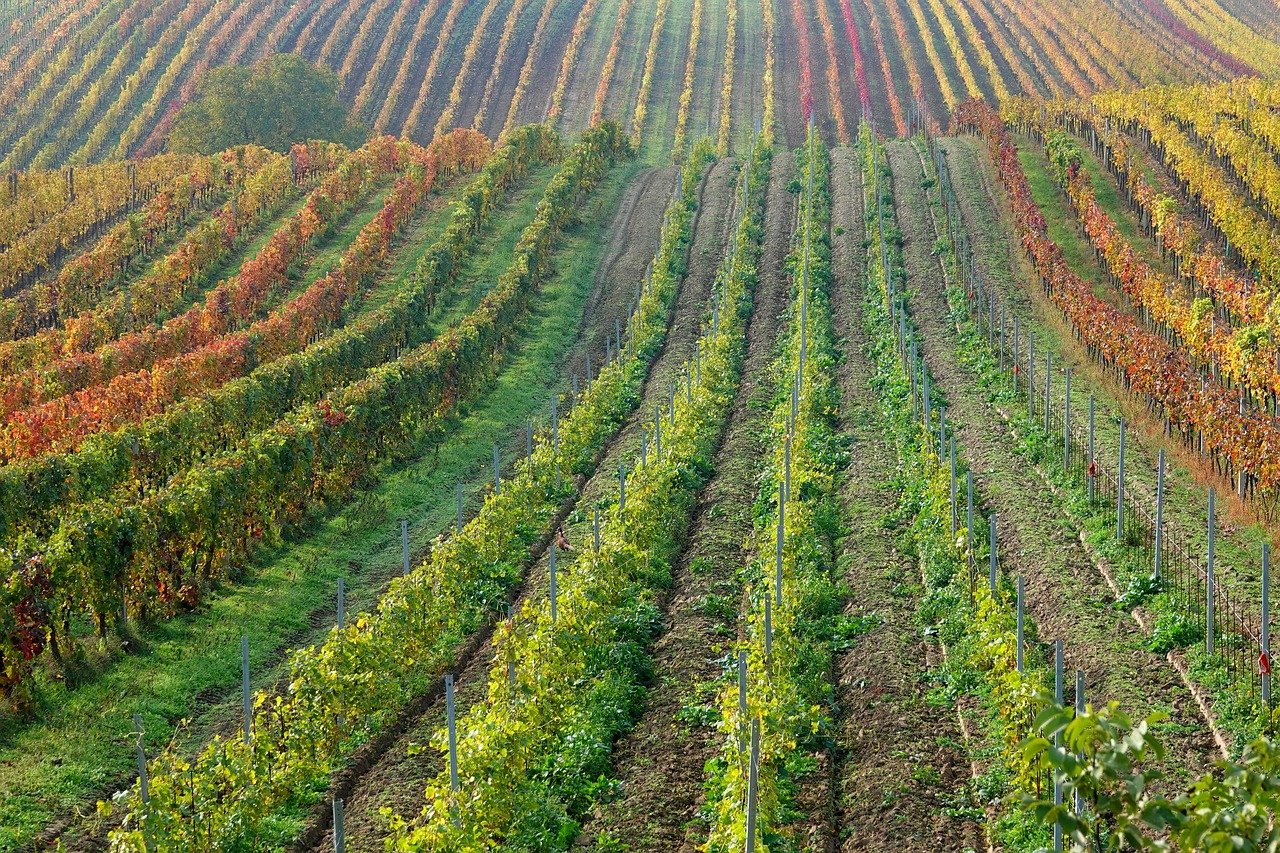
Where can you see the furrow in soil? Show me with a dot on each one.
(901, 756)
(660, 762)
(397, 779)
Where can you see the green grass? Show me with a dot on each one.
(492, 255)
(668, 66)
(77, 746)
(419, 238)
(1059, 217)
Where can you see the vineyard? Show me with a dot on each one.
(649, 425)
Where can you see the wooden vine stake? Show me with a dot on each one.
(1209, 585)
(244, 687)
(753, 785)
(404, 545)
(451, 716)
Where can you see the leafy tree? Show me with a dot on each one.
(275, 103)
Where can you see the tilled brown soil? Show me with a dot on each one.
(660, 762)
(902, 758)
(397, 778)
(786, 74)
(1066, 595)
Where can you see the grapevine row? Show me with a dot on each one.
(411, 61)
(1246, 230)
(199, 350)
(903, 47)
(174, 542)
(143, 458)
(1148, 365)
(769, 26)
(835, 100)
(800, 20)
(234, 300)
(381, 62)
(610, 62)
(949, 95)
(433, 64)
(726, 80)
(886, 71)
(957, 602)
(791, 584)
(574, 658)
(646, 77)
(1239, 357)
(686, 91)
(92, 276)
(526, 71)
(499, 61)
(1017, 59)
(570, 58)
(356, 681)
(1230, 35)
(859, 63)
(22, 95)
(956, 48)
(92, 310)
(112, 191)
(468, 58)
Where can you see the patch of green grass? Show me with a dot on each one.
(1107, 192)
(77, 747)
(1058, 216)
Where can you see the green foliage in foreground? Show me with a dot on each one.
(275, 103)
(1100, 755)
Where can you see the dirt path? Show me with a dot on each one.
(397, 778)
(902, 758)
(660, 763)
(1066, 596)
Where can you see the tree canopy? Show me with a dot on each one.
(278, 101)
